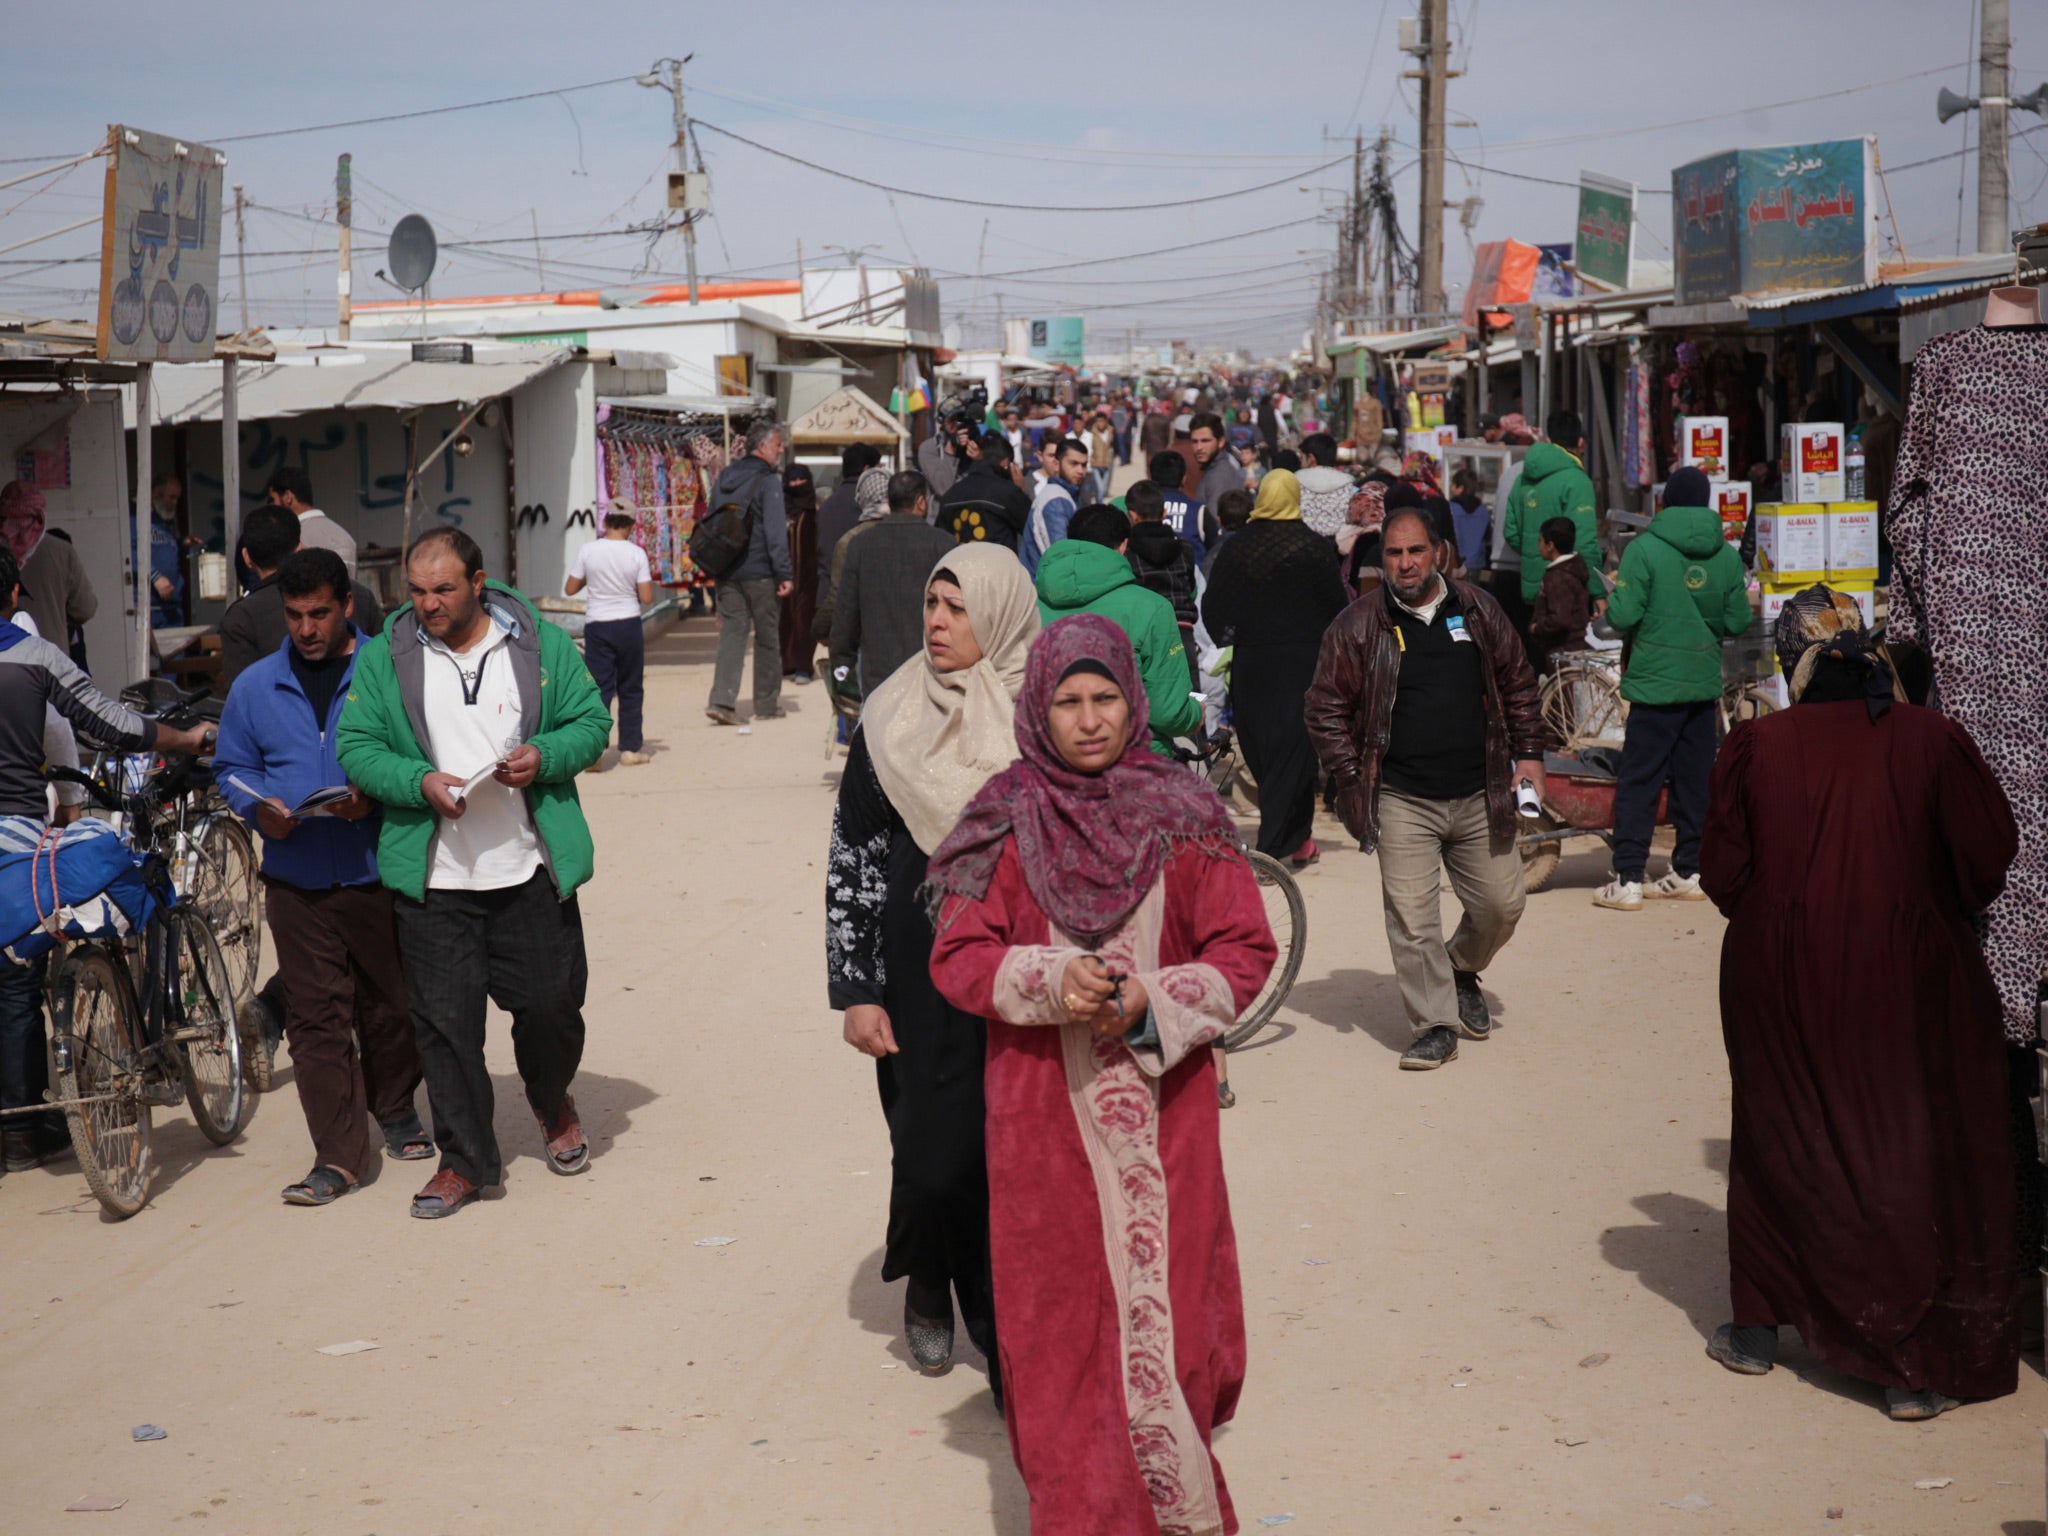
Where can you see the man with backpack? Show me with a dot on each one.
(743, 545)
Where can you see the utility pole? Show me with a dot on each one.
(241, 264)
(1994, 80)
(1357, 274)
(344, 212)
(1434, 49)
(675, 74)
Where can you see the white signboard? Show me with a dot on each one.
(159, 249)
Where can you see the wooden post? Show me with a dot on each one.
(231, 467)
(138, 530)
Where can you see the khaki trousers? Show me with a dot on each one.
(1420, 842)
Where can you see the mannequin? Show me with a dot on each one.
(2013, 306)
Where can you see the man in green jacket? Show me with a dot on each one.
(469, 719)
(1087, 572)
(1680, 592)
(1554, 483)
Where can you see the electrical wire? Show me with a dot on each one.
(975, 202)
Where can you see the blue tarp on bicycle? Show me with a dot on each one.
(101, 885)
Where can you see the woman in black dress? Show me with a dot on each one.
(930, 736)
(1272, 592)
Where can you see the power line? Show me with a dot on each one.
(1171, 250)
(975, 202)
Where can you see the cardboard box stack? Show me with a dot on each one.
(1705, 444)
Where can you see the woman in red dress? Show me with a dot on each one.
(1098, 911)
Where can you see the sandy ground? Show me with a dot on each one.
(1476, 1297)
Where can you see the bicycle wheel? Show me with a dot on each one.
(1288, 915)
(209, 1046)
(223, 884)
(96, 1068)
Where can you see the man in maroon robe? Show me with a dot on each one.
(1850, 841)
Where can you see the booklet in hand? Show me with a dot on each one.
(461, 791)
(319, 803)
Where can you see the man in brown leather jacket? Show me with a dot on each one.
(1424, 713)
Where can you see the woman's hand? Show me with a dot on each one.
(1109, 1020)
(867, 1030)
(1085, 988)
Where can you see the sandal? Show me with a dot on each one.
(405, 1139)
(568, 1149)
(323, 1186)
(446, 1193)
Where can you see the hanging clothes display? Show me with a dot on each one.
(660, 467)
(1968, 523)
(1638, 456)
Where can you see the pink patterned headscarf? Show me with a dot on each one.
(1092, 844)
(21, 517)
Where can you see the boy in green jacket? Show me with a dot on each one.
(469, 719)
(1554, 483)
(1088, 572)
(1680, 592)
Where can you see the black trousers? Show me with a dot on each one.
(1672, 743)
(1268, 694)
(521, 948)
(616, 650)
(25, 1049)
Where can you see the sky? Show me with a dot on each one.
(1070, 130)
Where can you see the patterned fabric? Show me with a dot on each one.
(1969, 533)
(1092, 845)
(1638, 461)
(857, 886)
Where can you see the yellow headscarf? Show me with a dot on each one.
(1279, 499)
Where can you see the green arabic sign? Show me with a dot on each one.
(1605, 235)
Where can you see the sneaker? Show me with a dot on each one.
(20, 1152)
(636, 759)
(1474, 1021)
(928, 1328)
(801, 679)
(1432, 1048)
(770, 712)
(720, 714)
(1619, 895)
(1675, 887)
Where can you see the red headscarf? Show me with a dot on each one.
(21, 517)
(1092, 844)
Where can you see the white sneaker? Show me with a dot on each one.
(635, 759)
(1675, 887)
(1620, 895)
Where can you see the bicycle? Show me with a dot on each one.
(1216, 765)
(140, 1019)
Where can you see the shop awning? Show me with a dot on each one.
(352, 381)
(1388, 343)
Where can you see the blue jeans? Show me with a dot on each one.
(24, 1048)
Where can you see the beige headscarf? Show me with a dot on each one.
(937, 737)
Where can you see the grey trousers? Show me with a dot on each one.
(1420, 842)
(741, 605)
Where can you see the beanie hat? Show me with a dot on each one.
(1688, 487)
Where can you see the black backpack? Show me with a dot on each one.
(720, 540)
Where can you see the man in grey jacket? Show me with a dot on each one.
(1214, 470)
(751, 593)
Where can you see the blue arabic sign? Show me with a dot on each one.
(1768, 220)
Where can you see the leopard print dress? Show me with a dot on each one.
(1969, 530)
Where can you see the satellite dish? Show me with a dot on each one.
(410, 256)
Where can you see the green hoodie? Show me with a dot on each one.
(1076, 576)
(383, 725)
(1553, 483)
(1680, 592)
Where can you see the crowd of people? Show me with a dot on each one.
(1038, 921)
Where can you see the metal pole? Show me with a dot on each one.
(1434, 80)
(230, 466)
(344, 212)
(241, 264)
(139, 586)
(1993, 83)
(675, 71)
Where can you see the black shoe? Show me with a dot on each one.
(1432, 1048)
(18, 1150)
(1474, 1022)
(1746, 1351)
(928, 1328)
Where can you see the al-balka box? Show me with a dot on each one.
(1810, 462)
(1791, 543)
(1703, 442)
(1732, 502)
(1852, 541)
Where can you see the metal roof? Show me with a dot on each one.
(352, 381)
(1396, 341)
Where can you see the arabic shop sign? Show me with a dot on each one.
(159, 249)
(1057, 340)
(1765, 220)
(1605, 238)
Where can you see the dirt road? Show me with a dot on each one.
(1476, 1297)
